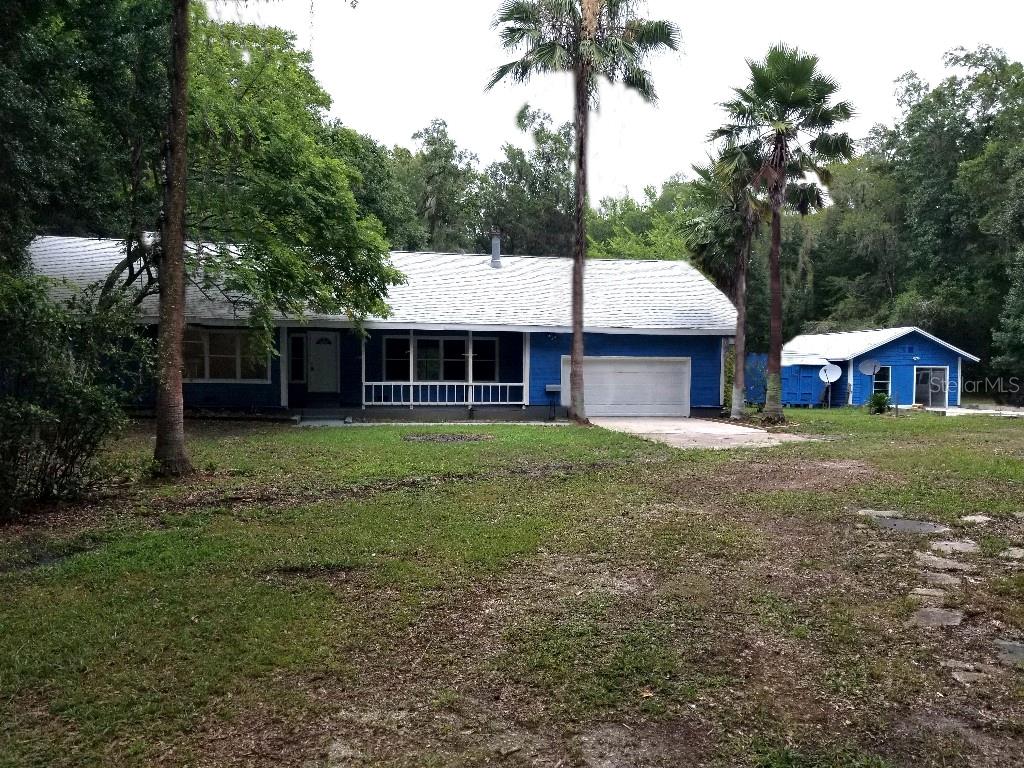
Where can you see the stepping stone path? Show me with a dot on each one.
(935, 563)
(963, 547)
(930, 617)
(937, 579)
(966, 673)
(939, 572)
(929, 596)
(1011, 653)
(976, 519)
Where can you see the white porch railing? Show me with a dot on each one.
(443, 393)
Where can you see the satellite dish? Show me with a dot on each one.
(830, 373)
(869, 367)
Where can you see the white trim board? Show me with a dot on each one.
(317, 322)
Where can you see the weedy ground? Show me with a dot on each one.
(535, 596)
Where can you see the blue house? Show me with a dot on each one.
(466, 334)
(913, 367)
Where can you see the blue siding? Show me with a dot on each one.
(705, 353)
(801, 385)
(900, 354)
(754, 381)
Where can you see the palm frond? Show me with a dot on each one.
(832, 146)
(639, 80)
(648, 36)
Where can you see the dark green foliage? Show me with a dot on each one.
(262, 177)
(653, 228)
(379, 189)
(924, 225)
(66, 369)
(443, 182)
(878, 403)
(528, 195)
(82, 97)
(1009, 337)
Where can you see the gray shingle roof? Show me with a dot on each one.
(464, 291)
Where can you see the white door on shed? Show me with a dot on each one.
(633, 386)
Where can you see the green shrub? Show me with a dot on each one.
(67, 367)
(878, 403)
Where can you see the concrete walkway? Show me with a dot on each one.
(1005, 411)
(694, 433)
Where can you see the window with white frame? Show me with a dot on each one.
(228, 355)
(883, 381)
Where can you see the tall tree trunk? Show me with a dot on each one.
(170, 454)
(577, 409)
(739, 374)
(773, 373)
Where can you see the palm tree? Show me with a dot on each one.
(590, 39)
(721, 235)
(787, 111)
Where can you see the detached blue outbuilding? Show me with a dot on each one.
(913, 368)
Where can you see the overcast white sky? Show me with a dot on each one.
(391, 66)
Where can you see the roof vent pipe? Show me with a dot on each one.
(496, 248)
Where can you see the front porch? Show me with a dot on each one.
(335, 371)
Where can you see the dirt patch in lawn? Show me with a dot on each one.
(795, 474)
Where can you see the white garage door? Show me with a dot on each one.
(633, 386)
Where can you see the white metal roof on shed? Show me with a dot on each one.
(799, 358)
(452, 291)
(846, 345)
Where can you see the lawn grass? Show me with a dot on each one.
(542, 590)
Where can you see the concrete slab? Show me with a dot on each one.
(996, 411)
(694, 433)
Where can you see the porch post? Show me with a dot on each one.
(469, 369)
(283, 363)
(526, 369)
(959, 382)
(362, 372)
(412, 368)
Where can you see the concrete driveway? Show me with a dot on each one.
(694, 433)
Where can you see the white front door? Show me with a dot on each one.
(323, 361)
(633, 386)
